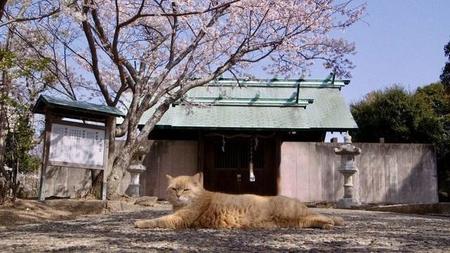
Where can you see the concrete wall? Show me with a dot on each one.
(388, 173)
(168, 157)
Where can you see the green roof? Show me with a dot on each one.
(74, 107)
(261, 104)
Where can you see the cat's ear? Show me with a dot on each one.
(169, 178)
(197, 178)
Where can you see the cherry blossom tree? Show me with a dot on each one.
(24, 73)
(151, 52)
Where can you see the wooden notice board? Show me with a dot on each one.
(77, 145)
(78, 134)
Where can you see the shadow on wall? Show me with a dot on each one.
(67, 182)
(148, 179)
(419, 184)
(396, 173)
(167, 157)
(387, 173)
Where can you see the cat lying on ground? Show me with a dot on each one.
(197, 208)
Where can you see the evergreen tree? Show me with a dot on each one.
(445, 76)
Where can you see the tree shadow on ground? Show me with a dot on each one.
(365, 231)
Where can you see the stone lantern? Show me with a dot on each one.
(347, 152)
(135, 169)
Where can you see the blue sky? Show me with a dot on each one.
(397, 42)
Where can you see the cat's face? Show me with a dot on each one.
(183, 189)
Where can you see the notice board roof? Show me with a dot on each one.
(74, 107)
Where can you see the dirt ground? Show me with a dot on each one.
(365, 231)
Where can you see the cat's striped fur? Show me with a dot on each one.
(195, 207)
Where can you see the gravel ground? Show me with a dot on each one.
(365, 231)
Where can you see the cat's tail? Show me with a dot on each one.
(338, 221)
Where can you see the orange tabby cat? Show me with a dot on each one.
(197, 208)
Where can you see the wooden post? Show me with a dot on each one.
(45, 153)
(201, 156)
(105, 157)
(278, 154)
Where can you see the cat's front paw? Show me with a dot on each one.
(327, 226)
(145, 224)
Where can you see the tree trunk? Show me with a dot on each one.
(3, 127)
(5, 86)
(120, 164)
(119, 158)
(3, 131)
(4, 180)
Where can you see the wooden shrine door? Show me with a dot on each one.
(227, 165)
